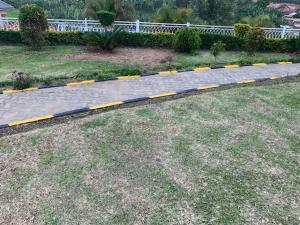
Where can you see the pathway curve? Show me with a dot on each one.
(26, 105)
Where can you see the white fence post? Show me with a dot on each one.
(283, 31)
(85, 25)
(137, 26)
(188, 24)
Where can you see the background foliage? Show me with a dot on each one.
(219, 12)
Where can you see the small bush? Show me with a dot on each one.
(280, 45)
(255, 40)
(108, 40)
(187, 40)
(33, 24)
(216, 49)
(241, 30)
(92, 40)
(106, 18)
(62, 38)
(10, 37)
(21, 80)
(298, 44)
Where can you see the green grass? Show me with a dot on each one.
(229, 57)
(54, 63)
(223, 157)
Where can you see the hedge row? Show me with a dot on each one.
(154, 40)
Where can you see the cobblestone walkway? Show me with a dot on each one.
(26, 105)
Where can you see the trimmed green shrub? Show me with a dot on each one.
(106, 18)
(92, 39)
(297, 43)
(157, 40)
(10, 37)
(161, 40)
(255, 40)
(63, 38)
(216, 49)
(241, 30)
(187, 40)
(33, 25)
(231, 42)
(280, 45)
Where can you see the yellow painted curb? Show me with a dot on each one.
(163, 95)
(30, 120)
(201, 68)
(106, 105)
(259, 64)
(275, 78)
(81, 82)
(17, 91)
(246, 81)
(128, 77)
(168, 72)
(231, 66)
(285, 63)
(208, 87)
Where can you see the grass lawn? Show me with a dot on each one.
(224, 157)
(60, 62)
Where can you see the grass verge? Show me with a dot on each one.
(224, 157)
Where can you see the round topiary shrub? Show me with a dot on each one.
(106, 18)
(255, 40)
(33, 25)
(241, 30)
(187, 40)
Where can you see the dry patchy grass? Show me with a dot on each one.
(225, 157)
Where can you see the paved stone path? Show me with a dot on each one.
(26, 105)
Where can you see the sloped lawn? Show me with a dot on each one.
(224, 157)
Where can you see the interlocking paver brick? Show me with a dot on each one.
(27, 105)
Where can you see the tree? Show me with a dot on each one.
(122, 8)
(33, 25)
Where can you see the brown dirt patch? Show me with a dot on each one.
(141, 56)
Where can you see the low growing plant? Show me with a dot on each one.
(21, 80)
(187, 40)
(216, 49)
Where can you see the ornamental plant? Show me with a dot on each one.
(216, 49)
(21, 80)
(187, 40)
(241, 30)
(106, 18)
(33, 25)
(255, 40)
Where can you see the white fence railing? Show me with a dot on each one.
(61, 25)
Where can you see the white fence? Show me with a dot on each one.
(61, 25)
